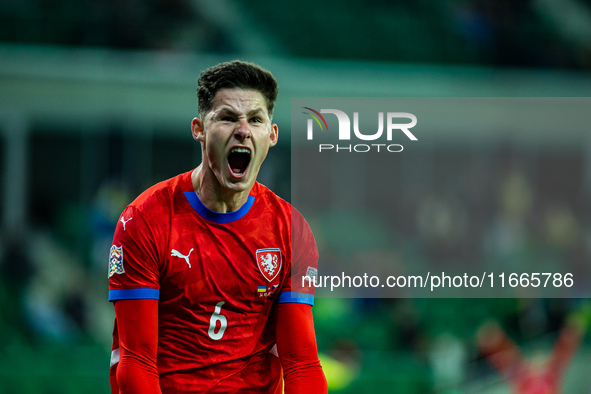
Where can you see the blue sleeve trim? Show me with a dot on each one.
(134, 294)
(301, 298)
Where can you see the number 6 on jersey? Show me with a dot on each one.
(215, 317)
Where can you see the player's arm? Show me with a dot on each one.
(568, 341)
(137, 322)
(501, 351)
(296, 345)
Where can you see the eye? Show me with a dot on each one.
(256, 119)
(227, 118)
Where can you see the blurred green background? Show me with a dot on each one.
(96, 99)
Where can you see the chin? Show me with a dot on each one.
(239, 185)
(242, 183)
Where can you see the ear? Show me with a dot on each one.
(274, 134)
(197, 129)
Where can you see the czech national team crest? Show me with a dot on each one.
(116, 261)
(269, 261)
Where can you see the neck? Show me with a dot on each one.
(213, 195)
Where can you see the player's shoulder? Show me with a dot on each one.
(160, 195)
(277, 203)
(269, 197)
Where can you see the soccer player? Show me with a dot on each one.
(200, 267)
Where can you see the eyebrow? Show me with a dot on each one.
(230, 111)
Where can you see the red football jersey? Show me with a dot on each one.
(216, 276)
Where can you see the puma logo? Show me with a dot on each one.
(176, 253)
(122, 220)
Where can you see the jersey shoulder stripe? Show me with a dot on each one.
(134, 294)
(295, 297)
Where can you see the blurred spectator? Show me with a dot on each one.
(536, 376)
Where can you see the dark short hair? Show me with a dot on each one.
(235, 75)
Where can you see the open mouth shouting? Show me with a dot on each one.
(238, 161)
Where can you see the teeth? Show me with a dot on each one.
(240, 150)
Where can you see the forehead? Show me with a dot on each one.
(238, 100)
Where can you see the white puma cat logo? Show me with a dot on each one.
(122, 220)
(176, 253)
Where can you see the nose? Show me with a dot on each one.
(242, 130)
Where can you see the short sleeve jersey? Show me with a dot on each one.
(217, 277)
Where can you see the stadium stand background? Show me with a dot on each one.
(95, 104)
